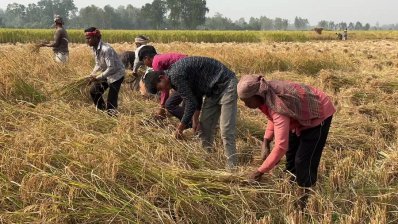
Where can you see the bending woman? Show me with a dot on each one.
(299, 118)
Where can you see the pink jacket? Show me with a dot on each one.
(163, 62)
(279, 127)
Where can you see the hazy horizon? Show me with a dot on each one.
(365, 11)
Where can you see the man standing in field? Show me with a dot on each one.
(60, 44)
(140, 42)
(162, 62)
(112, 72)
(345, 34)
(195, 78)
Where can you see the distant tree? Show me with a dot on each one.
(323, 24)
(90, 16)
(154, 13)
(15, 15)
(332, 25)
(242, 24)
(175, 9)
(110, 19)
(2, 15)
(219, 22)
(254, 24)
(351, 26)
(281, 24)
(358, 26)
(266, 23)
(49, 8)
(300, 23)
(367, 26)
(343, 26)
(131, 17)
(193, 13)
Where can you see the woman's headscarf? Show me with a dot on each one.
(297, 101)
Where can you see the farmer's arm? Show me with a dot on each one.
(137, 62)
(57, 39)
(269, 131)
(281, 134)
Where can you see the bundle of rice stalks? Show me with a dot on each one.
(35, 48)
(75, 89)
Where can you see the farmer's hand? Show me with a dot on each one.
(265, 149)
(91, 79)
(180, 130)
(256, 176)
(160, 114)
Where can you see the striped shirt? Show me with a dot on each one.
(196, 77)
(108, 63)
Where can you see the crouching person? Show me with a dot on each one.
(111, 70)
(197, 77)
(161, 62)
(299, 118)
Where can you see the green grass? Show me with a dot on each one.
(167, 36)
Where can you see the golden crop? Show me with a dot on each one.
(63, 162)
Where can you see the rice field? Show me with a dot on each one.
(62, 161)
(168, 36)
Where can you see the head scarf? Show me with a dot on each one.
(141, 40)
(297, 101)
(95, 33)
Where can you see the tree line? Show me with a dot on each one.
(160, 14)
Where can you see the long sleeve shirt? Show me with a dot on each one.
(162, 62)
(196, 77)
(280, 126)
(108, 63)
(60, 44)
(137, 62)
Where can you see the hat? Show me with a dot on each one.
(151, 80)
(141, 40)
(58, 19)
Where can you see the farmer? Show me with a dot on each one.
(339, 36)
(161, 62)
(60, 44)
(345, 34)
(195, 78)
(111, 70)
(127, 58)
(299, 117)
(140, 42)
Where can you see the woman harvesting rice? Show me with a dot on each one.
(299, 118)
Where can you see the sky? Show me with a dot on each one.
(372, 11)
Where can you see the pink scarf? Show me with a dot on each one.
(297, 101)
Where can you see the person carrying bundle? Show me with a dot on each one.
(60, 43)
(197, 77)
(299, 118)
(161, 62)
(111, 70)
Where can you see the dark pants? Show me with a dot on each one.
(98, 89)
(305, 151)
(173, 106)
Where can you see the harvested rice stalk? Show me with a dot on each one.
(74, 89)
